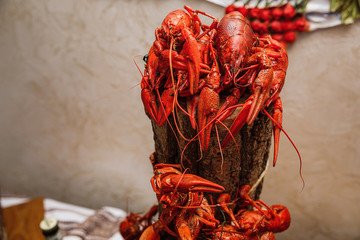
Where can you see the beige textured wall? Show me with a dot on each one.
(72, 125)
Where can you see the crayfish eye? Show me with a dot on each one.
(172, 30)
(155, 184)
(145, 58)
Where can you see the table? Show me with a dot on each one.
(75, 222)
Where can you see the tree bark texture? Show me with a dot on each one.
(238, 164)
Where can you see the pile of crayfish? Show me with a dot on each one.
(205, 65)
(187, 214)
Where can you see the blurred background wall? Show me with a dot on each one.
(73, 128)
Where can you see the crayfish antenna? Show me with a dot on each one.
(221, 152)
(174, 111)
(176, 116)
(220, 144)
(212, 121)
(175, 103)
(138, 65)
(296, 149)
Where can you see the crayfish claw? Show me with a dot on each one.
(149, 234)
(194, 183)
(166, 105)
(239, 122)
(277, 115)
(261, 93)
(207, 108)
(149, 101)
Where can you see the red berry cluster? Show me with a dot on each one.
(281, 23)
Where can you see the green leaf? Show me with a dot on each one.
(336, 5)
(301, 6)
(349, 10)
(349, 14)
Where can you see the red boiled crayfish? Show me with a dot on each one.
(273, 58)
(186, 214)
(185, 209)
(260, 223)
(249, 61)
(176, 46)
(201, 63)
(132, 227)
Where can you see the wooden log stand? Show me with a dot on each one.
(238, 164)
